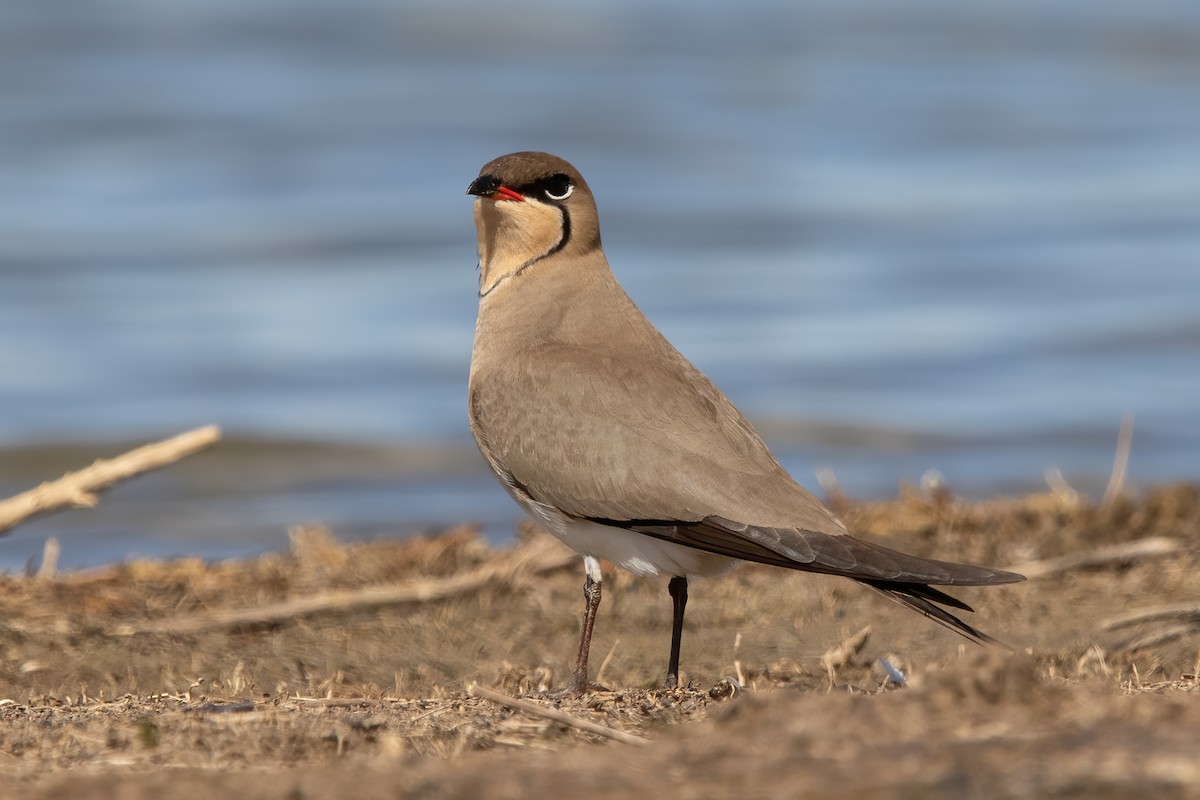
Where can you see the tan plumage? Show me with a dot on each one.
(601, 430)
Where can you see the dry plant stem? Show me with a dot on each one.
(1156, 638)
(78, 489)
(523, 563)
(553, 714)
(1185, 619)
(1116, 480)
(1060, 488)
(604, 663)
(839, 656)
(1187, 612)
(50, 553)
(1113, 555)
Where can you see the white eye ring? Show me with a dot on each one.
(564, 195)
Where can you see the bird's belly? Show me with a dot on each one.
(637, 552)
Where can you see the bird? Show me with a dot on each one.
(616, 444)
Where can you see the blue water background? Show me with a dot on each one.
(902, 237)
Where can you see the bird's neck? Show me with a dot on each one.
(575, 300)
(512, 237)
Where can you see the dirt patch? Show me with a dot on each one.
(155, 679)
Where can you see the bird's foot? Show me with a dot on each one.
(578, 686)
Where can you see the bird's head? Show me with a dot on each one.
(529, 208)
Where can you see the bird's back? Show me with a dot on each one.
(663, 442)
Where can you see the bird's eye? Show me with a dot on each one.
(558, 187)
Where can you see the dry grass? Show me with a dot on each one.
(377, 695)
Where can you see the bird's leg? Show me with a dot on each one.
(591, 593)
(678, 589)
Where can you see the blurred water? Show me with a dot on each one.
(900, 236)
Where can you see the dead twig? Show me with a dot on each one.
(1112, 555)
(78, 489)
(554, 714)
(525, 562)
(336, 702)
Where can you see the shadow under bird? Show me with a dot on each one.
(613, 441)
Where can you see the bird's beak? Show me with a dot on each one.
(489, 186)
(505, 193)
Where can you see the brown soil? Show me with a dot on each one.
(154, 680)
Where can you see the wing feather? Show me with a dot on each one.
(812, 551)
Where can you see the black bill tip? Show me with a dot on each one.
(484, 186)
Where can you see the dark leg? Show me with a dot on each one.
(591, 593)
(678, 589)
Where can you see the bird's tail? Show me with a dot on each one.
(925, 600)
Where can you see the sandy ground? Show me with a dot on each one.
(343, 670)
